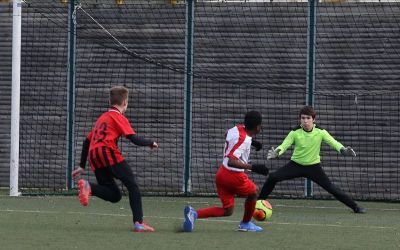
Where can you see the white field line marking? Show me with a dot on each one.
(204, 220)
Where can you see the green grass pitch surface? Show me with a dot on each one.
(59, 222)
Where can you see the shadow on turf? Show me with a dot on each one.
(178, 228)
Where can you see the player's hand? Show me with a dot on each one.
(273, 153)
(154, 146)
(256, 144)
(259, 169)
(77, 172)
(348, 151)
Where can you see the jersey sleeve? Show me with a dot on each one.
(287, 142)
(328, 139)
(125, 127)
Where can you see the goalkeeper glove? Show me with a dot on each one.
(256, 144)
(348, 151)
(259, 169)
(273, 153)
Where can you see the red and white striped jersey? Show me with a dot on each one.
(237, 146)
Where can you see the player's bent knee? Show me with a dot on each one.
(116, 198)
(228, 211)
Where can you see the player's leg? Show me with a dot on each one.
(227, 198)
(244, 187)
(123, 172)
(106, 188)
(217, 211)
(191, 215)
(317, 174)
(224, 183)
(289, 171)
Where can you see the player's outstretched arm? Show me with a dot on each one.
(139, 141)
(259, 169)
(273, 153)
(233, 163)
(256, 168)
(348, 151)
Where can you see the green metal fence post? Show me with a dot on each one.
(71, 92)
(311, 40)
(187, 137)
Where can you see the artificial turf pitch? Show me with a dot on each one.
(59, 222)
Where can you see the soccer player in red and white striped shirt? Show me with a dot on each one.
(107, 162)
(231, 179)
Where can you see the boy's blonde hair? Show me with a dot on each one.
(118, 94)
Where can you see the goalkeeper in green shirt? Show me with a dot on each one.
(305, 160)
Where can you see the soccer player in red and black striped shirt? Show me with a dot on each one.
(107, 162)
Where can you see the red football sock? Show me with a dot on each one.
(210, 212)
(249, 207)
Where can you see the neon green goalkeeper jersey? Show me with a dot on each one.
(307, 145)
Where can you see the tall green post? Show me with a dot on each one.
(71, 92)
(187, 137)
(311, 40)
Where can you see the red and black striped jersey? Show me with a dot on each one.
(109, 127)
